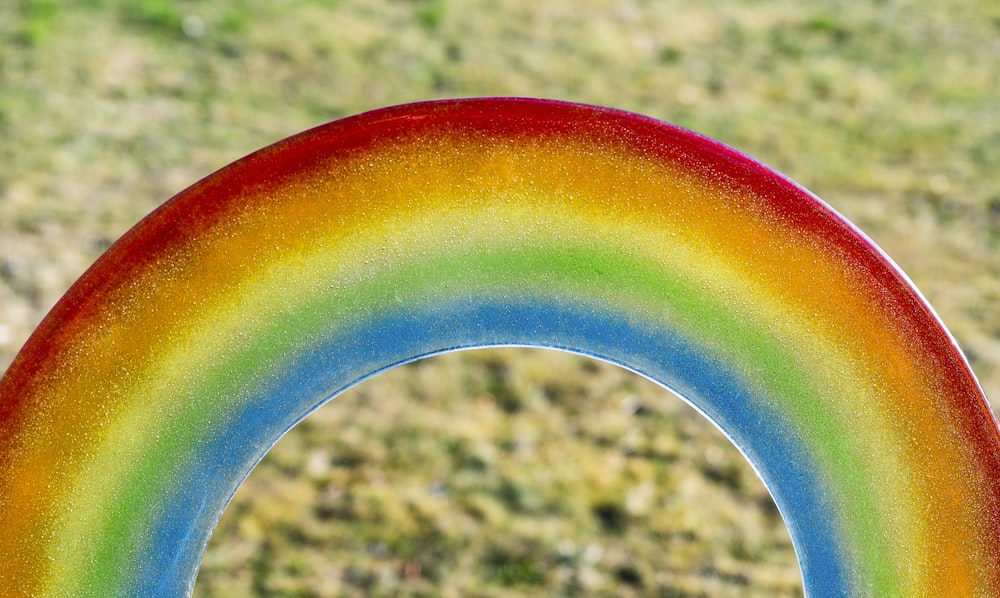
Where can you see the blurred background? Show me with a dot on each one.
(505, 472)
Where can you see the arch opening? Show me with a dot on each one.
(498, 470)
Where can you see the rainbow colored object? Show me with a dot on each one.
(229, 314)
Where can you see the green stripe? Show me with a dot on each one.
(624, 284)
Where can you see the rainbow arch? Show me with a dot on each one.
(156, 384)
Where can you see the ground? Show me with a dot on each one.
(482, 472)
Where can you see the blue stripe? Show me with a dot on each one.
(715, 387)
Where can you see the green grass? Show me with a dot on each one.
(484, 473)
(500, 470)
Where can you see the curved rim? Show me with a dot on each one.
(174, 245)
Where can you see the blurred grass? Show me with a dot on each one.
(497, 471)
(483, 472)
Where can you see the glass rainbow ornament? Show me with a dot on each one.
(170, 368)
